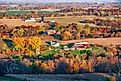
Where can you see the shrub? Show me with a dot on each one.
(62, 68)
(2, 68)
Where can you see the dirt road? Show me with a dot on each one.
(101, 41)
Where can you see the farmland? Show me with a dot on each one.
(60, 42)
(18, 12)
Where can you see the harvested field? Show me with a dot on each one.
(19, 22)
(62, 20)
(16, 22)
(74, 19)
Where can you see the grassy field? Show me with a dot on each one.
(61, 20)
(16, 12)
(64, 20)
(8, 79)
(26, 12)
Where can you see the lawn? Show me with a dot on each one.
(8, 79)
(96, 49)
(79, 52)
(48, 55)
(76, 52)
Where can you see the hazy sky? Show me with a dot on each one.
(60, 0)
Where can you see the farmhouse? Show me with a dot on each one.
(77, 46)
(81, 45)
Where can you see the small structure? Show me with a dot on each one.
(30, 20)
(37, 51)
(81, 45)
(66, 48)
(53, 43)
(77, 46)
(50, 32)
(41, 20)
(52, 21)
(83, 21)
(50, 10)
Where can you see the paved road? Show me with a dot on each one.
(61, 77)
(101, 41)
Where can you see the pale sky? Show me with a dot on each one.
(60, 0)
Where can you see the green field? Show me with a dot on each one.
(26, 12)
(8, 79)
(16, 12)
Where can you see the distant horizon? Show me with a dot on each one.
(56, 1)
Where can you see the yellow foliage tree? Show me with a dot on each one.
(28, 45)
(66, 35)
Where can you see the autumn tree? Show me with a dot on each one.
(66, 35)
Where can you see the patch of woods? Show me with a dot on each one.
(14, 67)
(105, 29)
(101, 60)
